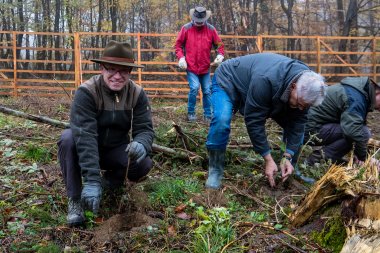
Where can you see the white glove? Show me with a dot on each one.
(218, 59)
(182, 63)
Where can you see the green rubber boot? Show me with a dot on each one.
(215, 168)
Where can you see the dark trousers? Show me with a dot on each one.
(113, 162)
(334, 144)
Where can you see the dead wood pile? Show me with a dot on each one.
(359, 189)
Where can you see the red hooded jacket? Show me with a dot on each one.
(195, 44)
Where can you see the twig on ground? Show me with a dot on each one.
(182, 135)
(281, 209)
(295, 248)
(185, 137)
(246, 194)
(238, 239)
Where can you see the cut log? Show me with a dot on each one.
(61, 124)
(362, 244)
(359, 188)
(338, 182)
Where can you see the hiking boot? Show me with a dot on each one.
(75, 216)
(191, 117)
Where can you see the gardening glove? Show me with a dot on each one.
(218, 59)
(136, 151)
(91, 194)
(182, 63)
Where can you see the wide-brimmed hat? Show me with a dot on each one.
(199, 14)
(118, 53)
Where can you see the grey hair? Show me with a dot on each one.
(311, 88)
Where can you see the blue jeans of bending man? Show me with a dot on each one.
(220, 127)
(194, 82)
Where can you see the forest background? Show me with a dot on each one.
(239, 17)
(33, 204)
(44, 32)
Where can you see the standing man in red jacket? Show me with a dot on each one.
(193, 47)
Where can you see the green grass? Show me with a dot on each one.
(214, 231)
(36, 153)
(170, 192)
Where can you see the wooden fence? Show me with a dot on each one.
(55, 64)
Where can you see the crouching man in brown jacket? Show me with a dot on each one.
(105, 110)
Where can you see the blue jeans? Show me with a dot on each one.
(220, 126)
(194, 82)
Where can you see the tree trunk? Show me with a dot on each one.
(20, 10)
(57, 53)
(114, 17)
(289, 14)
(349, 23)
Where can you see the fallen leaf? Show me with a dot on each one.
(99, 220)
(172, 231)
(183, 216)
(180, 208)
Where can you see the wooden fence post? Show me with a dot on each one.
(77, 57)
(259, 43)
(374, 59)
(318, 45)
(14, 48)
(139, 57)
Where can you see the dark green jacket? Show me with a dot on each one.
(347, 104)
(101, 119)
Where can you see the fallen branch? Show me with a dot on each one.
(246, 194)
(41, 119)
(61, 124)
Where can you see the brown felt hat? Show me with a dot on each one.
(118, 53)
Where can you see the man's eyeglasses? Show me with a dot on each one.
(302, 105)
(112, 71)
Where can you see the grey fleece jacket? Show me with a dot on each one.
(101, 118)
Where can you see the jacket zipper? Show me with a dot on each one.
(113, 116)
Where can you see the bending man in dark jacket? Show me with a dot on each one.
(340, 121)
(105, 110)
(261, 86)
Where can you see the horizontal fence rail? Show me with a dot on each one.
(55, 64)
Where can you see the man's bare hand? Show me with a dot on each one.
(286, 169)
(271, 171)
